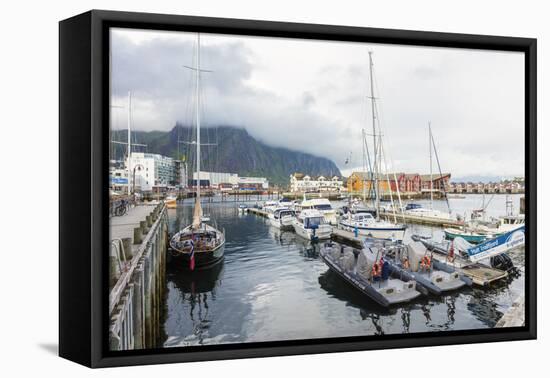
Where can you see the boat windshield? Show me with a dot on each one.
(323, 207)
(313, 222)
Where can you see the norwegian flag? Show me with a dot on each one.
(192, 257)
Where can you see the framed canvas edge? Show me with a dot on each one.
(98, 206)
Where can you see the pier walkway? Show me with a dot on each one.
(137, 266)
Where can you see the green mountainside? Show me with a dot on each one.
(233, 150)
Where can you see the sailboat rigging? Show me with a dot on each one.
(364, 222)
(200, 244)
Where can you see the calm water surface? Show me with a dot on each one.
(272, 285)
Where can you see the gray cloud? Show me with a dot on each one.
(312, 96)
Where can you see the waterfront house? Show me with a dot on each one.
(300, 183)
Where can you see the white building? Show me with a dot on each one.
(305, 183)
(215, 179)
(253, 183)
(155, 171)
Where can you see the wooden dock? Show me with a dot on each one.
(346, 237)
(253, 210)
(428, 221)
(136, 276)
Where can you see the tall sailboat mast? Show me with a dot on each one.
(129, 150)
(198, 117)
(431, 175)
(375, 173)
(364, 165)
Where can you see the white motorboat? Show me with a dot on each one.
(311, 225)
(321, 204)
(270, 206)
(282, 218)
(366, 224)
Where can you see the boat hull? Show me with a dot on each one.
(397, 233)
(203, 260)
(307, 233)
(471, 238)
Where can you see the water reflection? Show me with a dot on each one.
(196, 291)
(272, 285)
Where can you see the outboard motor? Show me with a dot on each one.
(502, 262)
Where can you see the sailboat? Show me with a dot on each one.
(417, 209)
(364, 223)
(199, 244)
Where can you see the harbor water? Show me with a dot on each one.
(272, 285)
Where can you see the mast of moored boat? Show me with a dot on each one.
(197, 215)
(364, 183)
(376, 184)
(431, 178)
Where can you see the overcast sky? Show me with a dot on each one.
(312, 96)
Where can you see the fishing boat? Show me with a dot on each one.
(511, 222)
(310, 224)
(369, 273)
(200, 245)
(321, 204)
(282, 218)
(366, 224)
(415, 262)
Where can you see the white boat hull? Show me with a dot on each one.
(397, 233)
(323, 232)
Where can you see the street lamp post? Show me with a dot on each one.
(138, 167)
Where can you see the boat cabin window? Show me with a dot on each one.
(412, 206)
(363, 217)
(315, 221)
(323, 207)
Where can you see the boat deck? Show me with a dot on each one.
(480, 274)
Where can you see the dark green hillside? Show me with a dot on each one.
(235, 151)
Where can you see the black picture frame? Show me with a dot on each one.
(83, 209)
